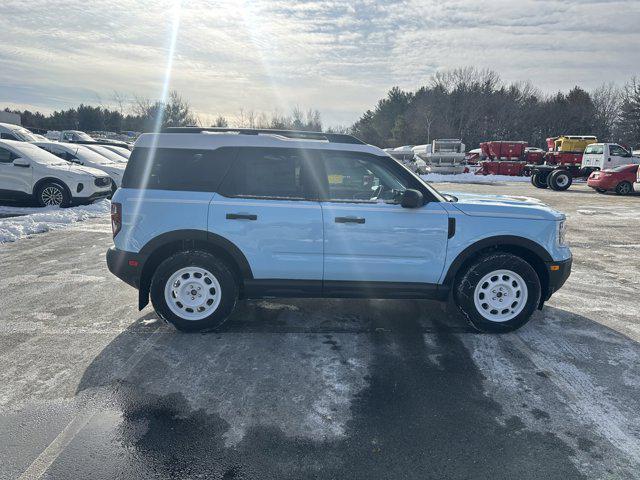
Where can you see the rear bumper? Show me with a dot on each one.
(127, 266)
(601, 183)
(557, 277)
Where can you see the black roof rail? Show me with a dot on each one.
(301, 134)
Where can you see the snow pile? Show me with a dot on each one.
(38, 220)
(471, 178)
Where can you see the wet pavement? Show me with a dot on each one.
(92, 388)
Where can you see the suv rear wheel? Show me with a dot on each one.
(194, 291)
(498, 292)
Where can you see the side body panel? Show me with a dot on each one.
(472, 229)
(281, 239)
(393, 244)
(146, 214)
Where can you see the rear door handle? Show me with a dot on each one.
(241, 216)
(350, 220)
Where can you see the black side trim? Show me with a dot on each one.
(452, 227)
(557, 278)
(342, 289)
(200, 236)
(118, 264)
(497, 241)
(282, 288)
(350, 289)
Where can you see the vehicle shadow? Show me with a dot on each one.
(310, 389)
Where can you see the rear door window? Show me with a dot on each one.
(177, 169)
(594, 149)
(269, 173)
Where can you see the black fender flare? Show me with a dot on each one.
(496, 242)
(187, 239)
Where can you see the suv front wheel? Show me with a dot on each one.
(194, 291)
(498, 292)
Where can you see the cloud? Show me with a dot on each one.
(337, 56)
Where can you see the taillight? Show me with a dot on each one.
(116, 218)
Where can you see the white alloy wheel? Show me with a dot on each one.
(193, 293)
(52, 196)
(500, 295)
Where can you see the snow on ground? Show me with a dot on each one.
(471, 178)
(37, 220)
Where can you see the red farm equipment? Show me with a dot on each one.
(507, 158)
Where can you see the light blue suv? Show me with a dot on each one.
(207, 216)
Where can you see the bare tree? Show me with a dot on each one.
(607, 100)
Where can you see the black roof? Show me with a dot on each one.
(301, 134)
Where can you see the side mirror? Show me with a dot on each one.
(412, 199)
(21, 162)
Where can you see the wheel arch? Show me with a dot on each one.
(42, 181)
(534, 253)
(165, 245)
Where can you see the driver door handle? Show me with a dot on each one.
(241, 216)
(350, 220)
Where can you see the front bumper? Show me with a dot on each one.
(91, 198)
(558, 274)
(127, 266)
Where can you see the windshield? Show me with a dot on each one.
(87, 155)
(105, 152)
(38, 155)
(123, 152)
(24, 134)
(75, 135)
(624, 168)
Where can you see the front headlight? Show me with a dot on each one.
(562, 233)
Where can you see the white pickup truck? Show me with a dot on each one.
(601, 156)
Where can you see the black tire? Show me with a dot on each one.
(539, 180)
(218, 268)
(52, 194)
(465, 290)
(560, 180)
(624, 188)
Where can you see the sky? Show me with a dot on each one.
(339, 57)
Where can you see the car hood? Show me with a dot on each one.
(72, 168)
(504, 206)
(113, 168)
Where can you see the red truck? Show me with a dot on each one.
(562, 163)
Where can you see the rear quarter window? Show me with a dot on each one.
(177, 169)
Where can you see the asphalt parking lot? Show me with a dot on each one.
(336, 389)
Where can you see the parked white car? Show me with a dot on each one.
(82, 155)
(28, 172)
(107, 153)
(601, 156)
(123, 152)
(9, 131)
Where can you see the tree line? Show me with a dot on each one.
(475, 105)
(144, 115)
(467, 103)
